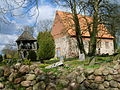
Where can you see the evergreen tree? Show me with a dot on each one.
(46, 46)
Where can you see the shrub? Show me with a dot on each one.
(26, 62)
(1, 58)
(46, 46)
(32, 55)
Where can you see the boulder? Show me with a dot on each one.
(109, 77)
(17, 80)
(89, 71)
(26, 83)
(12, 76)
(98, 72)
(91, 77)
(17, 65)
(1, 85)
(29, 88)
(33, 67)
(40, 78)
(98, 79)
(24, 69)
(101, 87)
(6, 71)
(51, 86)
(63, 82)
(80, 78)
(106, 84)
(113, 83)
(105, 72)
(36, 86)
(37, 71)
(30, 77)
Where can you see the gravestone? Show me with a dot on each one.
(81, 56)
(92, 61)
(60, 63)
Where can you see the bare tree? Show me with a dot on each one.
(112, 21)
(13, 6)
(44, 25)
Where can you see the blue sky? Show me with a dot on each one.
(9, 32)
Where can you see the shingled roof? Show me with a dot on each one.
(26, 36)
(63, 24)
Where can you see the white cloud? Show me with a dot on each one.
(45, 12)
(6, 39)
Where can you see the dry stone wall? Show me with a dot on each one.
(24, 77)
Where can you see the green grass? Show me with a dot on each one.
(92, 66)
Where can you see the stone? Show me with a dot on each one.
(17, 65)
(29, 88)
(92, 62)
(101, 87)
(40, 78)
(17, 80)
(60, 63)
(119, 85)
(80, 78)
(119, 71)
(37, 71)
(12, 76)
(33, 82)
(71, 76)
(91, 77)
(117, 66)
(98, 79)
(26, 83)
(106, 84)
(63, 82)
(42, 85)
(39, 86)
(51, 86)
(115, 72)
(98, 72)
(2, 79)
(33, 67)
(1, 72)
(105, 72)
(93, 86)
(36, 86)
(89, 71)
(113, 83)
(30, 77)
(1, 85)
(24, 69)
(74, 86)
(117, 77)
(115, 89)
(109, 77)
(6, 71)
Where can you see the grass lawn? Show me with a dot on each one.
(72, 63)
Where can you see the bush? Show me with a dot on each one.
(32, 55)
(1, 58)
(46, 46)
(26, 62)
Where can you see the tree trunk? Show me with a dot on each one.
(93, 33)
(77, 30)
(115, 43)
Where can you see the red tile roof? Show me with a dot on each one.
(64, 25)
